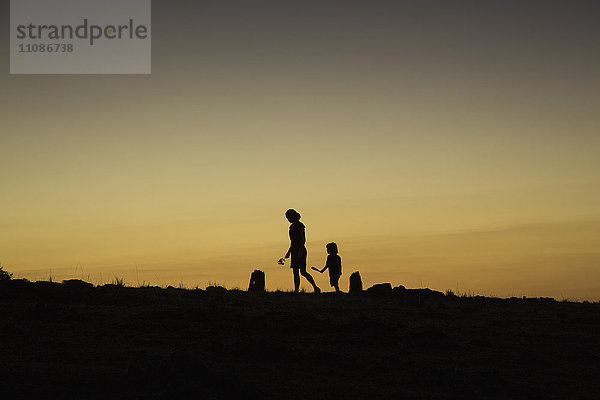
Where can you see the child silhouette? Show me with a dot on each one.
(334, 264)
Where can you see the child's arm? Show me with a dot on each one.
(326, 265)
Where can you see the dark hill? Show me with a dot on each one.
(73, 340)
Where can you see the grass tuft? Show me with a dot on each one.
(119, 282)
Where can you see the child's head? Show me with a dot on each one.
(292, 215)
(332, 248)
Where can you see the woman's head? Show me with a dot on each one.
(331, 248)
(292, 215)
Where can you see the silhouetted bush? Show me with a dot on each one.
(5, 275)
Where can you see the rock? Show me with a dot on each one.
(76, 290)
(380, 289)
(48, 290)
(215, 290)
(419, 296)
(76, 284)
(257, 281)
(399, 290)
(46, 284)
(110, 286)
(356, 285)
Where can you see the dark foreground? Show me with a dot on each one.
(75, 341)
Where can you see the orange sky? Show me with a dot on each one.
(436, 146)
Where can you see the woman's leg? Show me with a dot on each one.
(296, 279)
(310, 280)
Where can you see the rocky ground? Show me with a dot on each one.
(73, 340)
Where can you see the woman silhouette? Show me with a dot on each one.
(297, 250)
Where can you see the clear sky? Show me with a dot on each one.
(449, 144)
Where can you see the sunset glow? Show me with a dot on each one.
(442, 146)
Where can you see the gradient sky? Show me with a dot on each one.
(448, 144)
